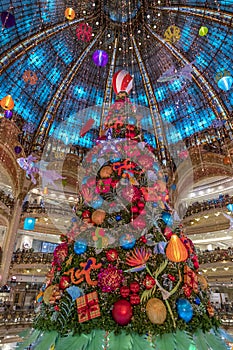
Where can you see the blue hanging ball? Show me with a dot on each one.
(127, 241)
(118, 218)
(173, 187)
(154, 204)
(230, 207)
(167, 218)
(74, 220)
(80, 247)
(184, 309)
(94, 158)
(115, 160)
(225, 83)
(197, 301)
(132, 120)
(96, 204)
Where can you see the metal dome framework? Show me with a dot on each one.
(132, 32)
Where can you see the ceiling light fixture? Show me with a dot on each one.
(214, 239)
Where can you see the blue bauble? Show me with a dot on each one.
(132, 120)
(97, 203)
(115, 160)
(173, 187)
(154, 204)
(197, 301)
(127, 241)
(156, 167)
(184, 309)
(74, 220)
(80, 246)
(94, 158)
(167, 218)
(230, 207)
(118, 217)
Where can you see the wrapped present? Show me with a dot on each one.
(190, 279)
(88, 307)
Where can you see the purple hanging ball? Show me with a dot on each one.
(100, 58)
(18, 149)
(8, 20)
(8, 114)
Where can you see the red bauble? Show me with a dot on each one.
(134, 287)
(134, 299)
(171, 277)
(111, 255)
(149, 282)
(86, 214)
(122, 312)
(64, 282)
(141, 205)
(124, 290)
(134, 209)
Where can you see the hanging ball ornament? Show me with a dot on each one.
(112, 255)
(184, 309)
(124, 291)
(69, 13)
(127, 241)
(7, 103)
(156, 311)
(203, 31)
(80, 247)
(18, 149)
(100, 58)
(134, 287)
(122, 312)
(134, 299)
(8, 114)
(64, 282)
(122, 81)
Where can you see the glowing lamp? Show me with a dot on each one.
(7, 103)
(29, 224)
(100, 58)
(69, 13)
(203, 31)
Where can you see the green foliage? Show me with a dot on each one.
(121, 341)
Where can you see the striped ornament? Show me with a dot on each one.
(122, 81)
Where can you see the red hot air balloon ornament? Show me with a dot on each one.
(122, 82)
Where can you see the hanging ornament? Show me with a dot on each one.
(124, 291)
(156, 311)
(30, 77)
(167, 218)
(134, 287)
(203, 31)
(80, 247)
(110, 279)
(7, 102)
(122, 312)
(176, 250)
(224, 80)
(172, 34)
(106, 172)
(149, 282)
(134, 299)
(230, 207)
(184, 309)
(18, 149)
(112, 255)
(84, 32)
(69, 13)
(122, 81)
(8, 20)
(98, 216)
(64, 282)
(127, 241)
(100, 58)
(8, 114)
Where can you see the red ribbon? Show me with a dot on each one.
(88, 308)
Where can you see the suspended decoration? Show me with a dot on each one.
(7, 103)
(29, 224)
(18, 149)
(230, 207)
(100, 58)
(84, 32)
(173, 74)
(172, 34)
(8, 20)
(122, 312)
(156, 311)
(30, 77)
(69, 14)
(203, 31)
(86, 127)
(122, 81)
(224, 80)
(8, 114)
(176, 250)
(184, 309)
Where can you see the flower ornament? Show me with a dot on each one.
(138, 259)
(110, 279)
(60, 253)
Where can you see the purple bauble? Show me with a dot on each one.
(100, 58)
(8, 114)
(18, 149)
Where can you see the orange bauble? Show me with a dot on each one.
(7, 103)
(176, 250)
(69, 13)
(106, 172)
(98, 217)
(226, 160)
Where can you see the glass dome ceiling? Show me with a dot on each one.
(70, 88)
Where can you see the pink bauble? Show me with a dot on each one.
(91, 181)
(134, 209)
(122, 312)
(139, 222)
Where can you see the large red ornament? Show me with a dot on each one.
(122, 312)
(134, 287)
(64, 282)
(111, 255)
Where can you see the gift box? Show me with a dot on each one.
(190, 279)
(88, 307)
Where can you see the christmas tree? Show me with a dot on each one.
(124, 277)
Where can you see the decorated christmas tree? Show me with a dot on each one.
(125, 275)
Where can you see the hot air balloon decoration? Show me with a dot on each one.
(7, 103)
(69, 13)
(224, 80)
(172, 34)
(203, 31)
(122, 81)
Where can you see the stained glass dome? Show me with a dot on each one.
(47, 66)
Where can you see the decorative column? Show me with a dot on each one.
(9, 243)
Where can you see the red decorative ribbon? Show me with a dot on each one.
(88, 308)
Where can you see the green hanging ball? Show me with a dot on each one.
(203, 31)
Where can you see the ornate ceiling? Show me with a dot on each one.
(69, 88)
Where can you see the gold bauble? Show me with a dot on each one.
(69, 13)
(106, 172)
(98, 216)
(7, 103)
(156, 311)
(48, 293)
